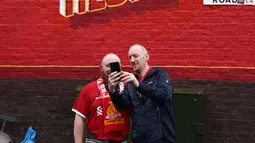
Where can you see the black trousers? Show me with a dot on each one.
(92, 139)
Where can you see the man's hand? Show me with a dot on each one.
(113, 81)
(129, 77)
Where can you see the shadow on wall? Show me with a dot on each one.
(115, 13)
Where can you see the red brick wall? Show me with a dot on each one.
(190, 40)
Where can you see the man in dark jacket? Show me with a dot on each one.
(149, 95)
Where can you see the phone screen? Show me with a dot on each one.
(115, 66)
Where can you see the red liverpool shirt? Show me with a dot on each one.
(89, 105)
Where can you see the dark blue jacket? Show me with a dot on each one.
(151, 105)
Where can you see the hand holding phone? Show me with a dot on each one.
(113, 83)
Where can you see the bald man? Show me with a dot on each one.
(104, 122)
(149, 95)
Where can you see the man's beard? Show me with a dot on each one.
(105, 78)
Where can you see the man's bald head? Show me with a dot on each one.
(139, 57)
(138, 48)
(108, 58)
(105, 65)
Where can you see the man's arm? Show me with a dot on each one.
(78, 129)
(161, 92)
(120, 101)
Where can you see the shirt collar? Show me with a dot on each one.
(147, 72)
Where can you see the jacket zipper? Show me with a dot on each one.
(159, 120)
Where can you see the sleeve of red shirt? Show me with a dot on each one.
(82, 103)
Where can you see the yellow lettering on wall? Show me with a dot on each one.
(67, 8)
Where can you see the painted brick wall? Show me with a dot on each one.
(190, 40)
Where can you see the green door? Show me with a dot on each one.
(189, 115)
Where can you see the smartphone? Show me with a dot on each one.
(115, 66)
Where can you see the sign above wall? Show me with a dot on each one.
(229, 2)
(67, 8)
